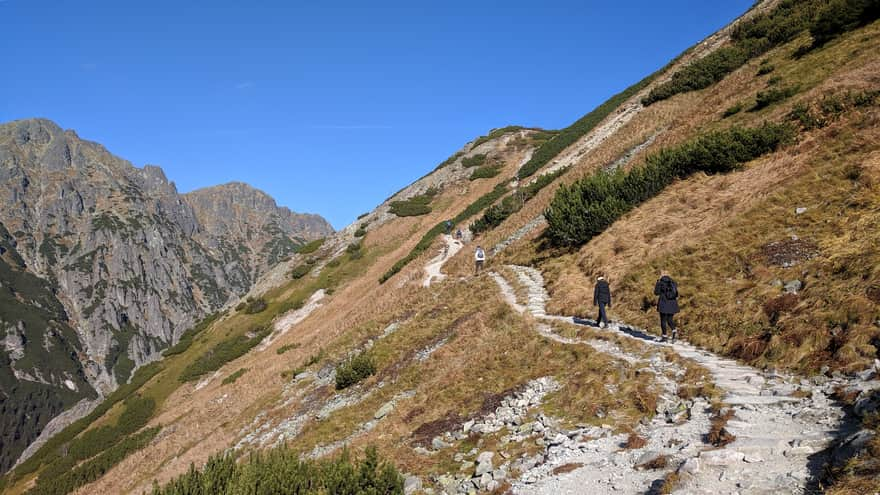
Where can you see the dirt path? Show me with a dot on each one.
(778, 436)
(432, 269)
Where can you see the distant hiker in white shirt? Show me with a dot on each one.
(479, 259)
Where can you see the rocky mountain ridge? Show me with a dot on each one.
(128, 263)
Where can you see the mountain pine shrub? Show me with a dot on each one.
(227, 350)
(282, 471)
(586, 208)
(840, 16)
(354, 370)
(749, 39)
(485, 172)
(496, 214)
(414, 206)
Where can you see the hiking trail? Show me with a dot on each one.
(781, 425)
(432, 269)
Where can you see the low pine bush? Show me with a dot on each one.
(495, 214)
(354, 370)
(310, 247)
(222, 353)
(485, 172)
(749, 39)
(474, 161)
(283, 471)
(254, 306)
(587, 207)
(840, 16)
(772, 95)
(414, 206)
(300, 271)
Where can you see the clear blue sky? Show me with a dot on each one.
(327, 106)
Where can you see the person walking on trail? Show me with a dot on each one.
(602, 298)
(448, 227)
(666, 291)
(479, 259)
(458, 234)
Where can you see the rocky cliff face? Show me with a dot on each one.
(115, 263)
(266, 233)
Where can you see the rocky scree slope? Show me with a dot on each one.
(105, 265)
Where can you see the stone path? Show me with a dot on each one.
(432, 269)
(778, 435)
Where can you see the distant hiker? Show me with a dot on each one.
(602, 298)
(448, 227)
(458, 234)
(666, 291)
(479, 259)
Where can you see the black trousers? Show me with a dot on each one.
(666, 320)
(603, 318)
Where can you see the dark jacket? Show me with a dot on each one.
(666, 291)
(602, 293)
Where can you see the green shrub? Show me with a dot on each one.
(355, 250)
(765, 69)
(283, 471)
(361, 230)
(496, 133)
(63, 475)
(254, 306)
(414, 206)
(732, 110)
(287, 347)
(354, 370)
(473, 161)
(235, 376)
(222, 353)
(770, 96)
(485, 172)
(362, 215)
(186, 339)
(496, 214)
(300, 271)
(566, 137)
(840, 16)
(425, 242)
(310, 247)
(749, 39)
(49, 452)
(94, 468)
(587, 207)
(448, 161)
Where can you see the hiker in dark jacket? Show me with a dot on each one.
(602, 298)
(666, 291)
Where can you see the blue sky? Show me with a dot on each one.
(328, 106)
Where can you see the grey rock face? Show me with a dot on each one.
(133, 262)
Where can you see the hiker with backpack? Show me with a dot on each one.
(666, 291)
(479, 259)
(448, 226)
(602, 298)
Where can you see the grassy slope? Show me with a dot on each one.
(708, 229)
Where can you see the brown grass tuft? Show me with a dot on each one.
(634, 441)
(659, 462)
(718, 435)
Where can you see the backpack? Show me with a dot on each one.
(669, 291)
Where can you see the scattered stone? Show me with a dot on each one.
(800, 210)
(411, 485)
(384, 410)
(793, 286)
(484, 463)
(722, 457)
